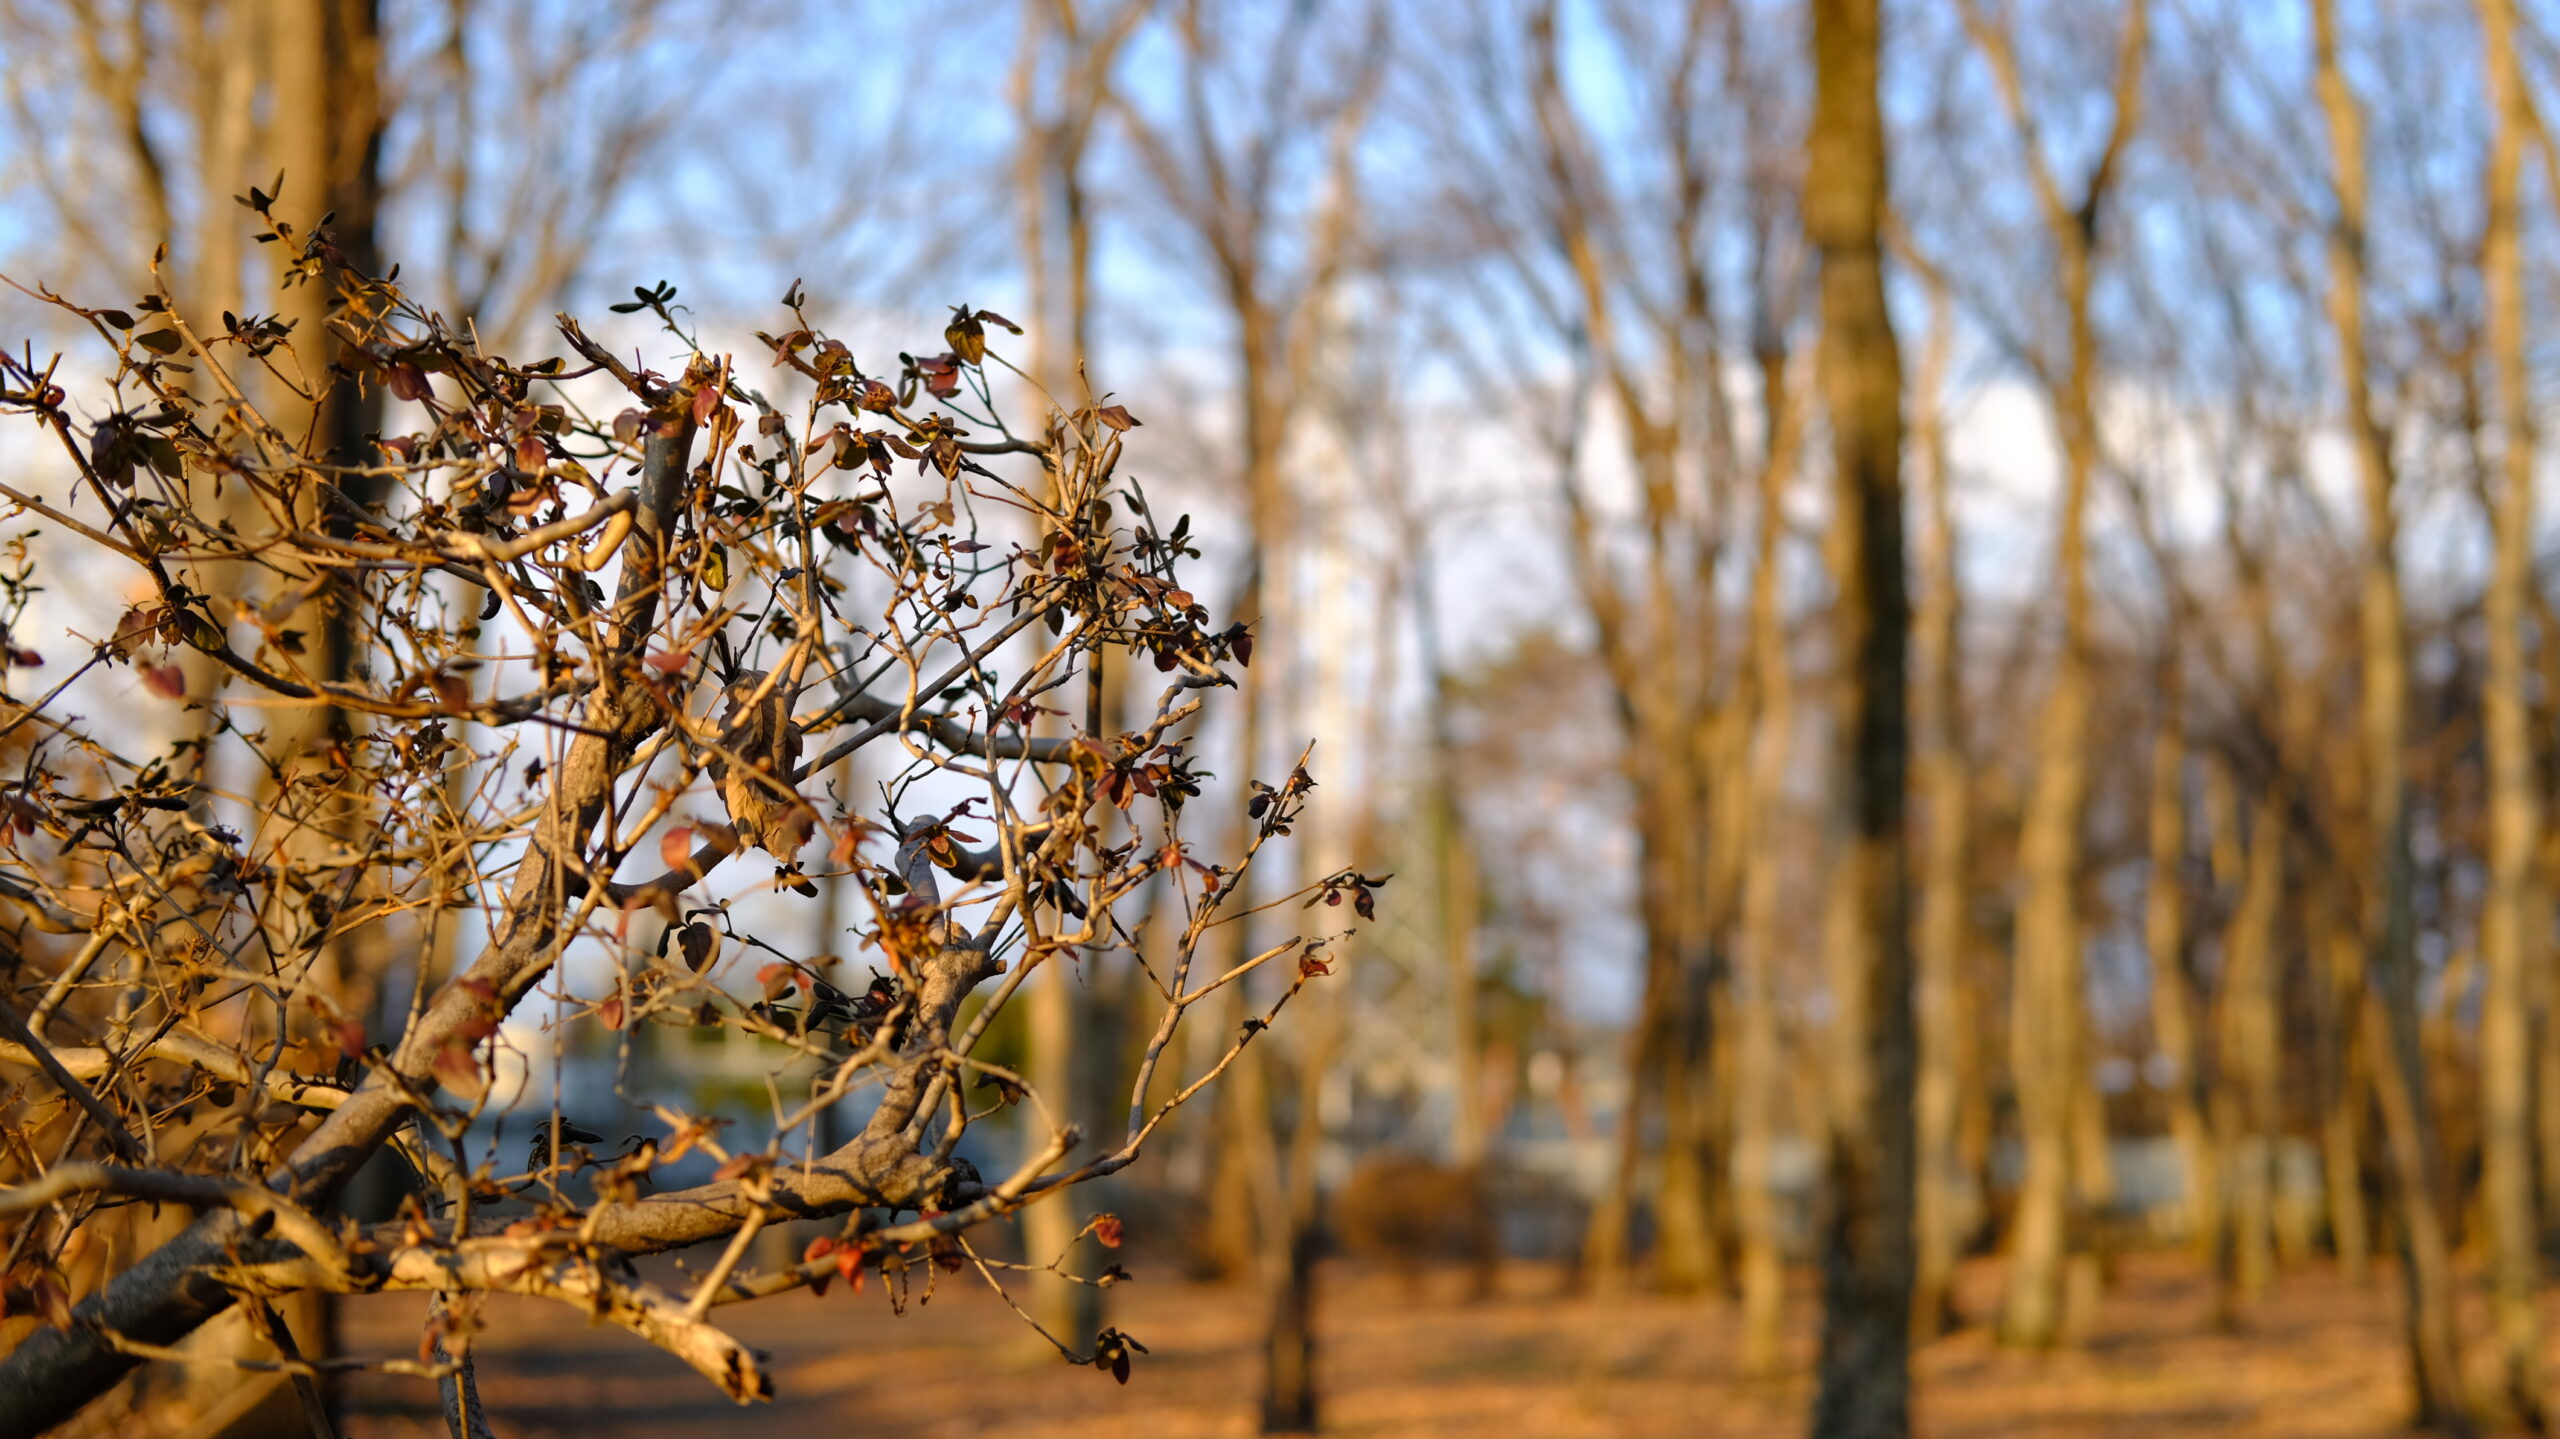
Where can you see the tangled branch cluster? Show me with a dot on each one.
(467, 696)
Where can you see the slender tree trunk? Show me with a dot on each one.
(2546, 1004)
(1866, 1237)
(230, 51)
(2045, 997)
(2545, 981)
(2047, 1023)
(2250, 1036)
(2392, 1028)
(2339, 956)
(1759, 1079)
(1456, 877)
(1454, 863)
(1064, 1014)
(1608, 1253)
(2173, 1012)
(1938, 1095)
(2510, 925)
(1244, 1173)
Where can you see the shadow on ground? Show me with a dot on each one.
(2318, 1357)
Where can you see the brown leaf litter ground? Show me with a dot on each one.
(2317, 1357)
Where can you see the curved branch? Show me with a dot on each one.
(264, 1207)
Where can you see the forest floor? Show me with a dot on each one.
(2316, 1357)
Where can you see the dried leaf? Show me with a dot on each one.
(700, 945)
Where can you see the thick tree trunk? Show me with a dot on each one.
(1864, 1388)
(324, 133)
(1687, 1259)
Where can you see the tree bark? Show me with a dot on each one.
(1864, 1387)
(1759, 1074)
(1945, 791)
(2173, 1013)
(2510, 925)
(2046, 1020)
(2392, 1027)
(2250, 1043)
(2339, 956)
(324, 132)
(1048, 174)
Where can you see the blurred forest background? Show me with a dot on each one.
(1483, 339)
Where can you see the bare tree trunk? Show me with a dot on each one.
(1283, 1251)
(2426, 1251)
(2045, 997)
(1231, 1224)
(1454, 863)
(324, 133)
(1455, 874)
(1937, 1096)
(2244, 1095)
(1608, 1248)
(1290, 1394)
(223, 43)
(2173, 1012)
(2510, 925)
(1866, 1240)
(1060, 1006)
(1656, 707)
(2545, 979)
(1686, 1257)
(2164, 934)
(2392, 1029)
(2339, 956)
(2046, 1021)
(1759, 1079)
